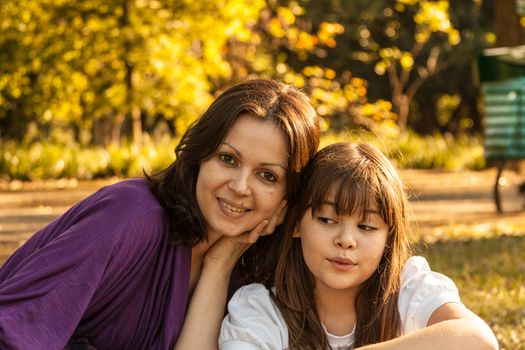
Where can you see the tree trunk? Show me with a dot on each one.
(136, 126)
(507, 26)
(403, 111)
(116, 128)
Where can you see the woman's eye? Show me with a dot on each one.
(325, 220)
(226, 158)
(268, 176)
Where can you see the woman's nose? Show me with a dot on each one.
(240, 183)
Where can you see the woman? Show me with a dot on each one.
(119, 269)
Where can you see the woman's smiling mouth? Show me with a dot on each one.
(230, 208)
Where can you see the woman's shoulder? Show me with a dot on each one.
(119, 211)
(126, 200)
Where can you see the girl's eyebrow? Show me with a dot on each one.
(367, 211)
(239, 154)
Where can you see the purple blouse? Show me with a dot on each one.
(104, 271)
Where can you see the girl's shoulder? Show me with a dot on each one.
(253, 300)
(422, 292)
(253, 321)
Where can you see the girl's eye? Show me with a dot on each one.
(366, 227)
(227, 159)
(325, 220)
(268, 176)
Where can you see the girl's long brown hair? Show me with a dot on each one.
(360, 176)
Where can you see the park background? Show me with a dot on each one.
(93, 89)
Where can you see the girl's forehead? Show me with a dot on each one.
(347, 199)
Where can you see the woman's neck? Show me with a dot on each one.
(336, 309)
(201, 248)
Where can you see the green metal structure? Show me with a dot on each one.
(503, 88)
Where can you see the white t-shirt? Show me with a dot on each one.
(254, 322)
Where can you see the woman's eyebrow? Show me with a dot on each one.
(239, 154)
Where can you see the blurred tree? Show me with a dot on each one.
(94, 64)
(102, 68)
(381, 51)
(507, 23)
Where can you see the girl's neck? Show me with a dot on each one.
(336, 309)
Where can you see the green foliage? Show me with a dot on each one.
(46, 160)
(52, 160)
(410, 150)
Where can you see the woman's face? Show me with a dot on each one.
(245, 180)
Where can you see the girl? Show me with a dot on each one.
(343, 279)
(134, 265)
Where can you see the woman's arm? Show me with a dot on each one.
(451, 326)
(206, 308)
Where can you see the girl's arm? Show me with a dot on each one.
(206, 309)
(451, 326)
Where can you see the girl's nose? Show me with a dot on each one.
(346, 238)
(240, 183)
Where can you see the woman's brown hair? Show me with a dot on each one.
(360, 177)
(263, 99)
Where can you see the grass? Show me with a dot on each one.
(490, 275)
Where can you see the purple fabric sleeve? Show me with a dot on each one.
(103, 272)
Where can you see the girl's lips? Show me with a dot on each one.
(343, 264)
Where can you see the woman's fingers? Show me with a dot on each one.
(258, 231)
(276, 219)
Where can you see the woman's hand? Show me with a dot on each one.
(209, 298)
(224, 253)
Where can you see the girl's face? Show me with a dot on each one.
(342, 251)
(245, 180)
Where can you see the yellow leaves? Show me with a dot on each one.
(422, 36)
(305, 41)
(454, 38)
(433, 16)
(380, 67)
(284, 26)
(490, 38)
(390, 53)
(406, 61)
(408, 2)
(276, 29)
(285, 15)
(329, 73)
(379, 112)
(79, 80)
(92, 66)
(327, 32)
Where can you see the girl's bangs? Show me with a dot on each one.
(349, 194)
